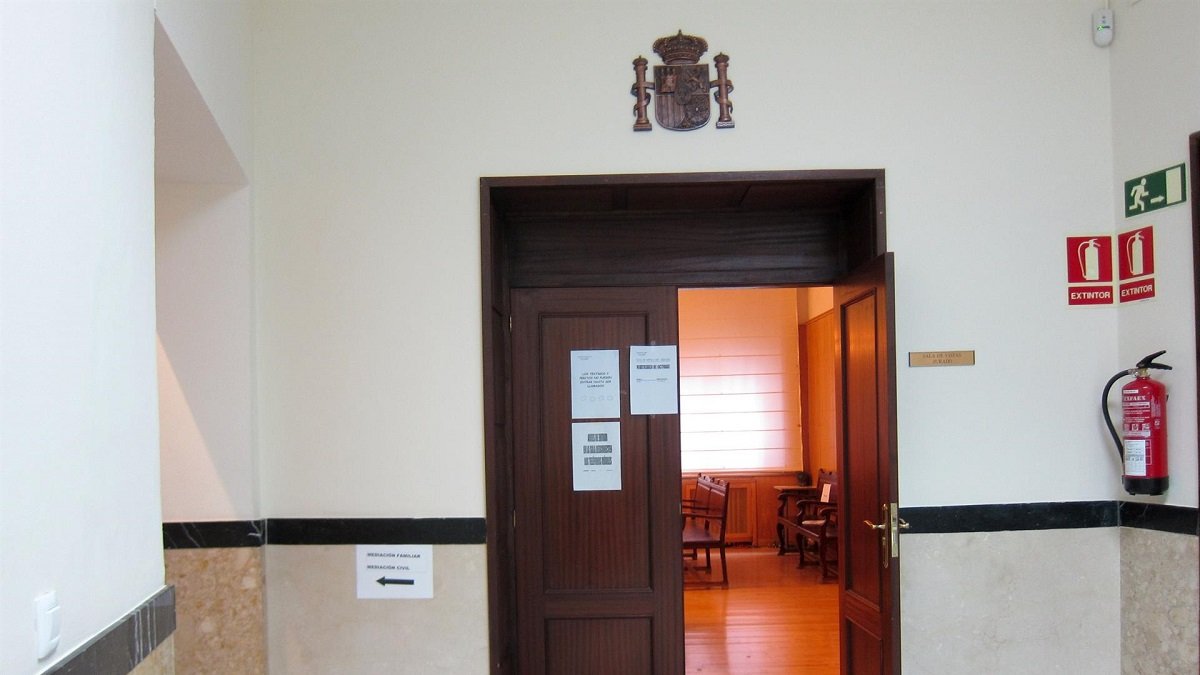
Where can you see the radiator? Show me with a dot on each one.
(740, 526)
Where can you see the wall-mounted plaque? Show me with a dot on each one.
(947, 358)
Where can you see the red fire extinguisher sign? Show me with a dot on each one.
(1090, 270)
(1135, 267)
(1089, 259)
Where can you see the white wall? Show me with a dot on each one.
(993, 121)
(214, 41)
(375, 121)
(79, 500)
(205, 363)
(1156, 77)
(204, 243)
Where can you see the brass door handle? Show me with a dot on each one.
(884, 535)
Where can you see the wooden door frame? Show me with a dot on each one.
(834, 220)
(1194, 161)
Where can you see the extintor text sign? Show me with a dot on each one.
(1090, 295)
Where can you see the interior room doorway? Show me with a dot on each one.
(757, 410)
(579, 263)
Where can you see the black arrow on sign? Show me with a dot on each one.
(384, 581)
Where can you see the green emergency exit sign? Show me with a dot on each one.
(1155, 190)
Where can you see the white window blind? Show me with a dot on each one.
(739, 379)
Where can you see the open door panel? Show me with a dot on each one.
(866, 382)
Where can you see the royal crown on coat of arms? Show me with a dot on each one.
(681, 86)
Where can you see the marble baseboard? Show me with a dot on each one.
(1160, 632)
(220, 609)
(161, 661)
(127, 643)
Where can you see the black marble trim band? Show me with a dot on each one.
(1051, 516)
(921, 519)
(1161, 517)
(1002, 517)
(318, 531)
(223, 534)
(127, 642)
(308, 531)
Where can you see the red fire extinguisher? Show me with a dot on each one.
(1144, 423)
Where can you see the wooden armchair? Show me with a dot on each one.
(704, 524)
(816, 527)
(698, 503)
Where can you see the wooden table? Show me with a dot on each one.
(789, 494)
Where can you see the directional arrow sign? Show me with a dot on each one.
(394, 572)
(384, 581)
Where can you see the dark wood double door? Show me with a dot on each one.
(590, 581)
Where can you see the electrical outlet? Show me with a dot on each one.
(47, 623)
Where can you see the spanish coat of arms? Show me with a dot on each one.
(681, 86)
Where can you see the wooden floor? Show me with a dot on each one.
(773, 619)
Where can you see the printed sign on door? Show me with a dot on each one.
(1135, 266)
(1090, 270)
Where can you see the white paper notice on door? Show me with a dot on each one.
(595, 384)
(596, 455)
(653, 380)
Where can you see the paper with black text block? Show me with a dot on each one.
(596, 455)
(394, 572)
(653, 380)
(595, 384)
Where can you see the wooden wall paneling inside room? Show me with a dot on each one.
(802, 375)
(820, 418)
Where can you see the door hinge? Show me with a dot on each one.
(510, 323)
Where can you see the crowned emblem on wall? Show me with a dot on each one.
(681, 86)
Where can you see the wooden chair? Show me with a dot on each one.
(701, 495)
(816, 527)
(704, 527)
(698, 503)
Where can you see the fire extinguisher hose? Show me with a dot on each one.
(1104, 409)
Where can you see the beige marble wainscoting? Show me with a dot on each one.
(1043, 601)
(316, 624)
(1159, 586)
(219, 610)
